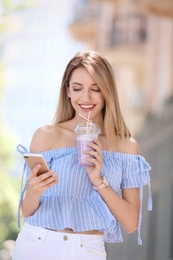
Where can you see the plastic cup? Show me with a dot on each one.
(85, 132)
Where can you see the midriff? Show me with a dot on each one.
(69, 230)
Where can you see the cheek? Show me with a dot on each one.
(73, 101)
(102, 101)
(73, 97)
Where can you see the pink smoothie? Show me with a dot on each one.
(85, 132)
(81, 146)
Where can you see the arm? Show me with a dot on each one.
(36, 187)
(37, 184)
(126, 208)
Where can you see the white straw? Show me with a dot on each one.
(88, 123)
(86, 119)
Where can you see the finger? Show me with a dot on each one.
(37, 183)
(97, 142)
(95, 145)
(34, 172)
(96, 164)
(37, 179)
(49, 181)
(46, 175)
(41, 189)
(96, 153)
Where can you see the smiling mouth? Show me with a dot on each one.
(87, 106)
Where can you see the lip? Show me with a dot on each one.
(87, 107)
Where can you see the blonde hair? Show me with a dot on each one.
(102, 73)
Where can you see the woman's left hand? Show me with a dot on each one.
(97, 160)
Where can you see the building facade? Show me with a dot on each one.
(137, 38)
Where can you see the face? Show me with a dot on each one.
(85, 94)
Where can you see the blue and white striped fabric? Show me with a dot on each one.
(73, 203)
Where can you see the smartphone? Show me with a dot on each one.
(33, 159)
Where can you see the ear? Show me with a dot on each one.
(68, 91)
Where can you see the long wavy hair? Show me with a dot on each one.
(101, 71)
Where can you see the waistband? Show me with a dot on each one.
(43, 233)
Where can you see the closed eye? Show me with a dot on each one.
(96, 90)
(76, 89)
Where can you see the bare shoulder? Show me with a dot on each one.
(128, 145)
(53, 136)
(42, 138)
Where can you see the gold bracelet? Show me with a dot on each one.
(103, 185)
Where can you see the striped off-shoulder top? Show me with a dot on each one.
(73, 202)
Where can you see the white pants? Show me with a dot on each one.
(35, 243)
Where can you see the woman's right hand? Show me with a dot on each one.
(35, 189)
(38, 184)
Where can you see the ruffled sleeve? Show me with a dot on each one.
(136, 175)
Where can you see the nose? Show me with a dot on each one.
(86, 95)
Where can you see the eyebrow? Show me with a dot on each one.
(77, 83)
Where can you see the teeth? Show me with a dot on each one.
(86, 106)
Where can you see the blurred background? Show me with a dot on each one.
(37, 39)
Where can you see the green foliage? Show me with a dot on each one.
(8, 207)
(7, 141)
(9, 184)
(1, 79)
(9, 5)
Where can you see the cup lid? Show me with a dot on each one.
(87, 126)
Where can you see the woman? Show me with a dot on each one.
(71, 210)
